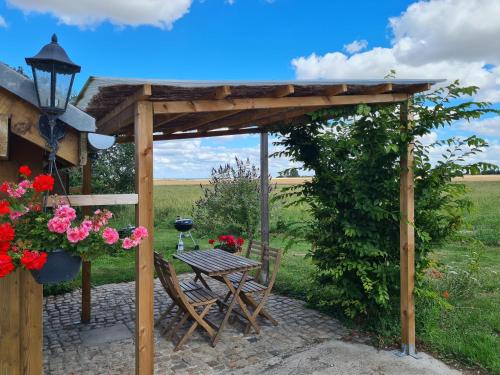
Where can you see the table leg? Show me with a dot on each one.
(231, 304)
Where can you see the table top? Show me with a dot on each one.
(216, 262)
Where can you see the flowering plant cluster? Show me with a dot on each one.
(27, 232)
(228, 243)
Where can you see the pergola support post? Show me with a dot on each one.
(144, 287)
(407, 239)
(264, 205)
(86, 265)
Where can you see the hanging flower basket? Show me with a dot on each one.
(59, 267)
(32, 237)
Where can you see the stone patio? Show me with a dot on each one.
(106, 346)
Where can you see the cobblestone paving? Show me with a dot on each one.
(112, 304)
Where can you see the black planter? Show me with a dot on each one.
(60, 266)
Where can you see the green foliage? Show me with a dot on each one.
(112, 172)
(353, 197)
(230, 204)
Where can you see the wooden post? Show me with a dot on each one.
(264, 206)
(86, 266)
(21, 337)
(407, 239)
(144, 288)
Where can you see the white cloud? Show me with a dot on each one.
(193, 158)
(484, 127)
(90, 13)
(356, 46)
(432, 39)
(3, 23)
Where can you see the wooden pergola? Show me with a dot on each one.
(144, 111)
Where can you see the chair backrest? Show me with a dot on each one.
(168, 278)
(275, 255)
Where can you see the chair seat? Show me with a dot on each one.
(236, 277)
(251, 286)
(186, 286)
(201, 296)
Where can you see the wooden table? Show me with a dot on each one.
(219, 264)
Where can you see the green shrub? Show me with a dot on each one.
(353, 197)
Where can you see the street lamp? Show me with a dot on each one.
(53, 73)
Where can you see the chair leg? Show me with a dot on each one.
(172, 322)
(192, 328)
(164, 315)
(178, 325)
(257, 310)
(263, 311)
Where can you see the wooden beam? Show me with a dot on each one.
(144, 286)
(122, 114)
(202, 121)
(81, 200)
(216, 133)
(240, 120)
(407, 239)
(282, 91)
(335, 90)
(168, 120)
(267, 103)
(419, 88)
(86, 265)
(379, 89)
(222, 92)
(264, 206)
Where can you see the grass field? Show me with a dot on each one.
(468, 332)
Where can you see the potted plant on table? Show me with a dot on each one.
(51, 242)
(228, 243)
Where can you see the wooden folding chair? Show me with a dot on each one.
(187, 296)
(252, 288)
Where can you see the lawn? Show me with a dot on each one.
(468, 332)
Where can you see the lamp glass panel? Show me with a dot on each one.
(43, 86)
(63, 83)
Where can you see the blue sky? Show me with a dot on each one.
(263, 39)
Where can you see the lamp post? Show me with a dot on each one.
(53, 73)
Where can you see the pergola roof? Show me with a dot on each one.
(189, 109)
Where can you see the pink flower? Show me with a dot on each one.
(17, 192)
(15, 215)
(129, 243)
(140, 233)
(108, 214)
(25, 184)
(83, 233)
(65, 212)
(97, 212)
(110, 236)
(73, 235)
(86, 224)
(58, 225)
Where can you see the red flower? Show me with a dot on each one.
(43, 182)
(240, 241)
(6, 232)
(4, 247)
(223, 238)
(25, 170)
(6, 265)
(4, 208)
(33, 260)
(4, 187)
(211, 242)
(446, 294)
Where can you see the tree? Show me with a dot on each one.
(230, 204)
(112, 172)
(354, 194)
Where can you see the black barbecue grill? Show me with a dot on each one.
(184, 227)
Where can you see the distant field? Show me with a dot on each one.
(288, 180)
(204, 181)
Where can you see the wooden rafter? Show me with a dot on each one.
(168, 120)
(202, 121)
(222, 92)
(239, 120)
(123, 114)
(282, 91)
(216, 133)
(335, 90)
(263, 103)
(379, 89)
